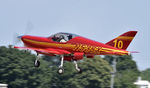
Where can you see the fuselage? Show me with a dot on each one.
(72, 47)
(76, 44)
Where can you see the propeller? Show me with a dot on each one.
(17, 37)
(29, 27)
(16, 40)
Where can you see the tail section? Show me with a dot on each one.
(123, 41)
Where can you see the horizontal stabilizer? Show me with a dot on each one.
(134, 52)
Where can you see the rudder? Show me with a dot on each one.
(122, 41)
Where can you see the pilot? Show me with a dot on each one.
(54, 38)
(62, 39)
(69, 37)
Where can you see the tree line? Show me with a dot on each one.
(18, 71)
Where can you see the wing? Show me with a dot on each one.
(46, 50)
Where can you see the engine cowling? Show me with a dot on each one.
(78, 56)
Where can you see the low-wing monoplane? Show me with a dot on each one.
(72, 47)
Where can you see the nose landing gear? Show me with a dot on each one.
(61, 70)
(37, 62)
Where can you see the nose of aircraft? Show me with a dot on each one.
(19, 37)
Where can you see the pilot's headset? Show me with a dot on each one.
(61, 37)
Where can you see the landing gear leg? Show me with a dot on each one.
(76, 66)
(37, 62)
(61, 70)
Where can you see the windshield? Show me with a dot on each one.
(63, 37)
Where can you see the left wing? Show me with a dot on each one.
(46, 50)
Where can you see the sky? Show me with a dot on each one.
(100, 20)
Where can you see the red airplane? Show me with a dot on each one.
(72, 47)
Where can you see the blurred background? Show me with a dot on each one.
(100, 20)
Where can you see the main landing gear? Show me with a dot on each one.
(76, 67)
(61, 70)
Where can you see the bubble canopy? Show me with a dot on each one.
(63, 37)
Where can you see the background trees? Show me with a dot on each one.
(17, 70)
(146, 74)
(127, 71)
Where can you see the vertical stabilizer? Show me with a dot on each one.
(122, 41)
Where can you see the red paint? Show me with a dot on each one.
(77, 46)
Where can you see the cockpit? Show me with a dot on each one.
(62, 37)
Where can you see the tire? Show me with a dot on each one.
(60, 71)
(80, 70)
(36, 63)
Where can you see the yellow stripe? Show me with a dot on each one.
(113, 50)
(50, 44)
(125, 38)
(70, 46)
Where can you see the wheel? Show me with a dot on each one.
(60, 71)
(36, 63)
(79, 70)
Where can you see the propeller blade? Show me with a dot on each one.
(29, 27)
(16, 39)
